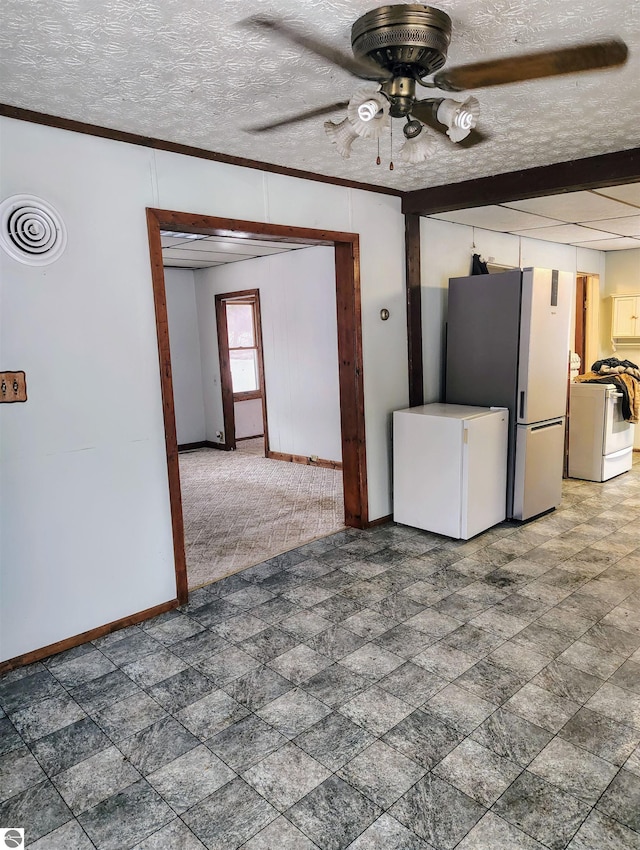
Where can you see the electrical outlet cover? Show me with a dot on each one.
(13, 387)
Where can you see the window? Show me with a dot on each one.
(243, 349)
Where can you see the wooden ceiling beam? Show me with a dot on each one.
(594, 172)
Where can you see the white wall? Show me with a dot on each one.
(186, 368)
(209, 364)
(300, 344)
(446, 250)
(623, 277)
(86, 530)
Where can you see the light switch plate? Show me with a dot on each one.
(13, 386)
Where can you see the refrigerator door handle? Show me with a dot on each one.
(521, 413)
(548, 425)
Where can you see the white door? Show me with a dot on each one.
(538, 474)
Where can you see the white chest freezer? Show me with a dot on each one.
(600, 439)
(450, 468)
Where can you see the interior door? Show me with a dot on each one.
(241, 362)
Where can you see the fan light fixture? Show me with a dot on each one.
(419, 144)
(400, 46)
(460, 118)
(368, 116)
(343, 135)
(368, 112)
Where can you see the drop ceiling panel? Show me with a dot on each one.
(236, 248)
(629, 226)
(565, 233)
(497, 218)
(629, 193)
(188, 264)
(248, 247)
(257, 243)
(623, 243)
(205, 257)
(573, 206)
(183, 239)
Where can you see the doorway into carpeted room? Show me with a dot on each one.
(241, 508)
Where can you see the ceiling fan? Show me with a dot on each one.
(397, 48)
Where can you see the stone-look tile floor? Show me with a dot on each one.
(380, 690)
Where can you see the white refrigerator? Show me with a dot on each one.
(508, 346)
(450, 468)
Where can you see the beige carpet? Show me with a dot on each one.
(240, 508)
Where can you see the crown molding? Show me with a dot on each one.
(187, 150)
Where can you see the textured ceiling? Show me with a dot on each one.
(185, 72)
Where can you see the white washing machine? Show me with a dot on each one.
(600, 439)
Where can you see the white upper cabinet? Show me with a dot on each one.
(625, 320)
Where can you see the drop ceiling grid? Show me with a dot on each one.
(574, 207)
(627, 226)
(203, 256)
(199, 252)
(630, 193)
(584, 219)
(623, 243)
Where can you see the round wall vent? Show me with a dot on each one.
(31, 230)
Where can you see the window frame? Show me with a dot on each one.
(249, 301)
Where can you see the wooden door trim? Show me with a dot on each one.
(414, 309)
(168, 408)
(263, 384)
(351, 380)
(580, 341)
(229, 398)
(226, 387)
(350, 360)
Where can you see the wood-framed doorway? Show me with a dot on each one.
(229, 398)
(580, 343)
(350, 364)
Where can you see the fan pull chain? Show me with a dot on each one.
(378, 160)
(391, 146)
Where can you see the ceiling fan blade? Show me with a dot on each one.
(425, 111)
(363, 68)
(301, 116)
(532, 66)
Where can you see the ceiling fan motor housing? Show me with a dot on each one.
(408, 40)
